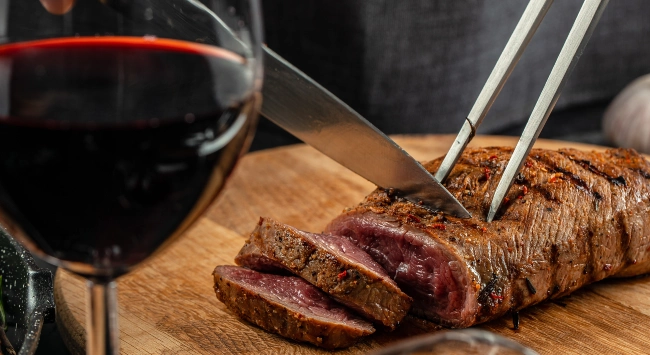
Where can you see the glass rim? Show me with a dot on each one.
(468, 336)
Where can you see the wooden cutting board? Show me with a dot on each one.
(168, 306)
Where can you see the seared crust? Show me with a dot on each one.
(278, 317)
(571, 218)
(369, 292)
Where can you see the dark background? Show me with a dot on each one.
(417, 66)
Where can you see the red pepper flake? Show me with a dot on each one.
(528, 164)
(492, 157)
(494, 296)
(413, 218)
(525, 189)
(520, 197)
(484, 229)
(554, 177)
(487, 173)
(607, 267)
(343, 274)
(440, 226)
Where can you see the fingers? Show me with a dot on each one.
(57, 7)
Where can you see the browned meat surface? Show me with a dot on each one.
(331, 263)
(288, 306)
(570, 219)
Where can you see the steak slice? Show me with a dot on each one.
(571, 218)
(288, 306)
(331, 263)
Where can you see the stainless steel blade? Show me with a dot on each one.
(521, 36)
(575, 43)
(305, 109)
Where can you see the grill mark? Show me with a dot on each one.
(641, 172)
(489, 287)
(545, 193)
(576, 180)
(549, 165)
(579, 183)
(630, 160)
(542, 190)
(484, 296)
(619, 181)
(586, 164)
(545, 164)
(520, 179)
(530, 286)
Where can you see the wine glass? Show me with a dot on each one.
(452, 342)
(119, 123)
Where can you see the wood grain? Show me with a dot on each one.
(168, 306)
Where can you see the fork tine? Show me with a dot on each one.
(521, 36)
(575, 43)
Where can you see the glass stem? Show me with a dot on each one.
(102, 337)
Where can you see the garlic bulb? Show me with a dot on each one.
(626, 122)
(58, 7)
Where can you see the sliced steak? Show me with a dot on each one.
(571, 218)
(288, 306)
(331, 263)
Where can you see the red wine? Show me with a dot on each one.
(109, 145)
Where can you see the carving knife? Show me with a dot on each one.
(305, 109)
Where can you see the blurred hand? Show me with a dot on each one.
(57, 7)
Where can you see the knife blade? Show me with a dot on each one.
(298, 104)
(295, 102)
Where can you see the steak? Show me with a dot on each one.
(571, 218)
(331, 263)
(288, 306)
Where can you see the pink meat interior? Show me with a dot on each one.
(292, 292)
(339, 245)
(423, 268)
